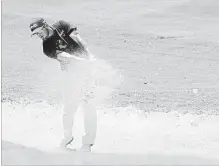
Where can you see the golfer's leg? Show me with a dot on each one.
(90, 123)
(70, 107)
(71, 103)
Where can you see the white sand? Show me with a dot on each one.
(169, 137)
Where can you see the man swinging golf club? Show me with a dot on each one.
(62, 42)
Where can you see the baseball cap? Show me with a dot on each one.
(37, 23)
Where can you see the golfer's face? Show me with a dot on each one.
(42, 32)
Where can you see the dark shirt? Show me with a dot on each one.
(55, 44)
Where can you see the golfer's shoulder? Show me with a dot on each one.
(65, 26)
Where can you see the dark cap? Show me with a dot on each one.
(37, 23)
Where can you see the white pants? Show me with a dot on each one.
(90, 118)
(77, 90)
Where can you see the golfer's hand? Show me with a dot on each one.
(62, 65)
(64, 59)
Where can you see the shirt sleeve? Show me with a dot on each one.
(64, 27)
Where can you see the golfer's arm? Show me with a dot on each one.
(77, 38)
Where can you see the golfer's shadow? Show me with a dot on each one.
(14, 154)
